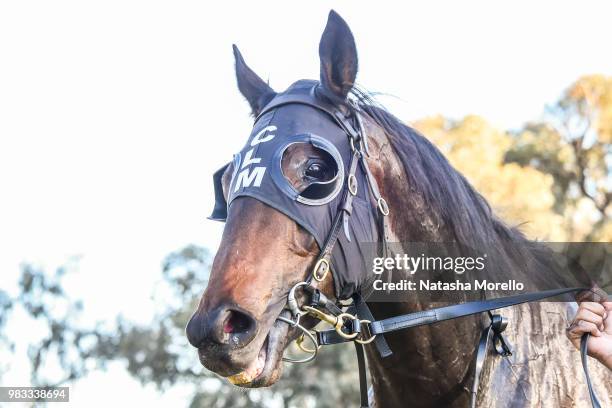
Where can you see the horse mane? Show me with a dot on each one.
(464, 211)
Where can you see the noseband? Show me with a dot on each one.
(351, 323)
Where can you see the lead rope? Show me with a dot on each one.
(583, 356)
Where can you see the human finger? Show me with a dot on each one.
(589, 316)
(580, 327)
(594, 307)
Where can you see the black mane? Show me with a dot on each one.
(464, 211)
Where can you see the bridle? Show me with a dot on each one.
(354, 322)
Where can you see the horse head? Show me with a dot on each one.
(298, 154)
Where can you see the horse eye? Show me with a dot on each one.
(316, 171)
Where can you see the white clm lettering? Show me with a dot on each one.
(248, 160)
(259, 138)
(253, 175)
(246, 177)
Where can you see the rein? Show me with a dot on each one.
(356, 323)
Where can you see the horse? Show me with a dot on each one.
(238, 328)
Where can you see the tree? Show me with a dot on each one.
(573, 144)
(159, 353)
(520, 195)
(554, 176)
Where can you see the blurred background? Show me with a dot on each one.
(114, 115)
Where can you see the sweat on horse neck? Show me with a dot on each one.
(434, 365)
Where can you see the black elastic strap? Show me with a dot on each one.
(363, 379)
(583, 355)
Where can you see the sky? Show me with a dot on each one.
(115, 114)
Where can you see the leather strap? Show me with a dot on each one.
(583, 355)
(448, 312)
(344, 212)
(311, 99)
(483, 346)
(497, 326)
(319, 300)
(371, 180)
(363, 379)
(364, 313)
(464, 309)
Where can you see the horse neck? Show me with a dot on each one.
(430, 365)
(433, 365)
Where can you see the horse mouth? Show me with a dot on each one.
(266, 368)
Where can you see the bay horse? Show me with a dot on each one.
(264, 253)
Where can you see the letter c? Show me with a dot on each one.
(259, 137)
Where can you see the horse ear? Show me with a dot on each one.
(252, 87)
(338, 55)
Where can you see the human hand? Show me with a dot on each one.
(596, 319)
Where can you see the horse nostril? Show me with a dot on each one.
(238, 328)
(221, 326)
(237, 322)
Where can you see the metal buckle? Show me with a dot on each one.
(315, 272)
(316, 313)
(292, 302)
(340, 324)
(372, 336)
(336, 321)
(352, 184)
(383, 207)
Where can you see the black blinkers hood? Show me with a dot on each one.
(298, 115)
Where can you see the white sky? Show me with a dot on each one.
(114, 115)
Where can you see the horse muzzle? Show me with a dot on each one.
(230, 345)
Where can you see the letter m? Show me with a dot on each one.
(249, 176)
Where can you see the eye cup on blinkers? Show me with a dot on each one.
(320, 190)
